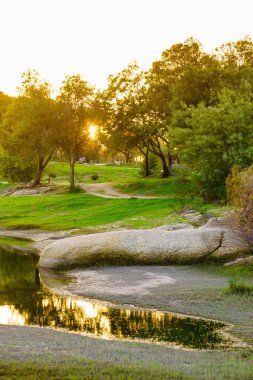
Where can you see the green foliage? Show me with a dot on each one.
(153, 164)
(239, 185)
(16, 170)
(213, 139)
(74, 113)
(26, 131)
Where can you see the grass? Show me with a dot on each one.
(167, 187)
(86, 212)
(88, 370)
(3, 185)
(206, 366)
(13, 241)
(83, 172)
(80, 210)
(237, 286)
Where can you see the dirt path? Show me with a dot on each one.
(106, 190)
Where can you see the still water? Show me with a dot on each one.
(24, 300)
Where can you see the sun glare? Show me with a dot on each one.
(92, 131)
(10, 316)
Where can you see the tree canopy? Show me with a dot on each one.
(190, 106)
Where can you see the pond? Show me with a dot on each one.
(25, 300)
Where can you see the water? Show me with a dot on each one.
(24, 300)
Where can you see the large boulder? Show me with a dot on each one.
(153, 246)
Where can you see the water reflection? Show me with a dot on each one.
(24, 301)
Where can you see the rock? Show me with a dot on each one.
(228, 221)
(174, 227)
(199, 220)
(30, 191)
(241, 261)
(233, 243)
(193, 216)
(156, 246)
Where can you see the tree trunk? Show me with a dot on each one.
(146, 165)
(146, 160)
(170, 160)
(165, 172)
(38, 176)
(72, 175)
(41, 167)
(127, 157)
(147, 170)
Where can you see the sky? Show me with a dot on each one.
(96, 38)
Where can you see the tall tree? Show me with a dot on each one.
(74, 112)
(129, 122)
(28, 127)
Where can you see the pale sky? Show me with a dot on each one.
(96, 38)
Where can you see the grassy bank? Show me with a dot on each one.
(70, 211)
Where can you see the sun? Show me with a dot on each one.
(92, 131)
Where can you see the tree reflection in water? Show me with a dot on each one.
(24, 301)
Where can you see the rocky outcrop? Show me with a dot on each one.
(153, 246)
(240, 261)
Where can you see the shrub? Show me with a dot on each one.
(211, 139)
(239, 185)
(94, 177)
(51, 175)
(16, 171)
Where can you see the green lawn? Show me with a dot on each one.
(83, 172)
(166, 187)
(86, 212)
(80, 210)
(3, 185)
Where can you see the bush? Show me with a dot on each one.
(239, 185)
(16, 171)
(51, 175)
(211, 139)
(94, 177)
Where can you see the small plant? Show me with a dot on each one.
(51, 175)
(237, 286)
(94, 177)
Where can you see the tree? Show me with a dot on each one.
(27, 130)
(74, 112)
(5, 101)
(128, 121)
(213, 139)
